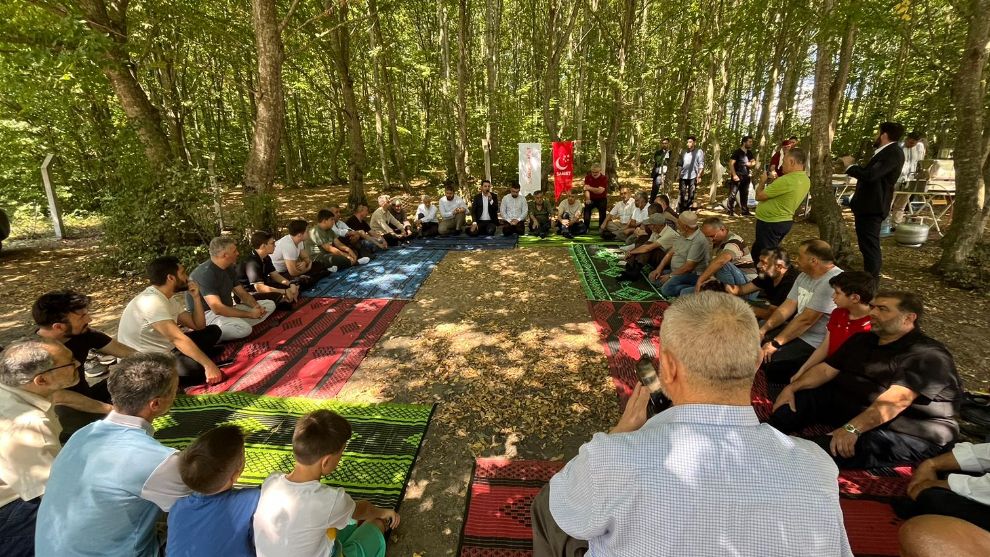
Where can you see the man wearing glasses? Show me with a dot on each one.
(33, 376)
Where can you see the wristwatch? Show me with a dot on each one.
(851, 429)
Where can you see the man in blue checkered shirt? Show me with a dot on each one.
(704, 477)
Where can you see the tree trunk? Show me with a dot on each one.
(762, 130)
(826, 96)
(122, 74)
(463, 162)
(340, 52)
(385, 90)
(971, 211)
(616, 117)
(493, 24)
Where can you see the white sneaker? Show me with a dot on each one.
(363, 260)
(333, 269)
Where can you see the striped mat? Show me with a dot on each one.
(599, 269)
(376, 462)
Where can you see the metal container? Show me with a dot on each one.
(912, 233)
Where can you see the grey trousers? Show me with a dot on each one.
(548, 539)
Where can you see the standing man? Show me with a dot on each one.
(453, 211)
(596, 190)
(484, 211)
(914, 152)
(779, 201)
(739, 169)
(692, 167)
(875, 192)
(514, 212)
(661, 158)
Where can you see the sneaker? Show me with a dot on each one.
(94, 368)
(363, 260)
(333, 269)
(106, 359)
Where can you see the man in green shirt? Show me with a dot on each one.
(540, 214)
(779, 201)
(326, 247)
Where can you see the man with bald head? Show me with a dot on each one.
(652, 485)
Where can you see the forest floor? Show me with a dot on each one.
(513, 361)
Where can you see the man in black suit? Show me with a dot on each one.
(484, 211)
(875, 192)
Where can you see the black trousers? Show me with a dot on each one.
(542, 228)
(485, 228)
(688, 187)
(875, 448)
(769, 235)
(658, 179)
(601, 205)
(868, 236)
(787, 361)
(937, 500)
(513, 229)
(575, 229)
(742, 188)
(429, 229)
(192, 372)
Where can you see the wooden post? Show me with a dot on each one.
(52, 200)
(486, 148)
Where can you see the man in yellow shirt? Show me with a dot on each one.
(779, 201)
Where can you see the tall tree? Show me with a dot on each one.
(269, 118)
(385, 89)
(627, 23)
(463, 161)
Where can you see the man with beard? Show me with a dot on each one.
(774, 279)
(692, 165)
(150, 323)
(892, 393)
(875, 192)
(661, 158)
(739, 170)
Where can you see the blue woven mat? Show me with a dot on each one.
(395, 274)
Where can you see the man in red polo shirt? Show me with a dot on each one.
(596, 190)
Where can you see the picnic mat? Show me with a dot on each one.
(599, 270)
(627, 330)
(376, 462)
(556, 240)
(311, 352)
(395, 274)
(230, 349)
(465, 242)
(498, 522)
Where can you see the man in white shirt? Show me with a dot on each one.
(290, 257)
(939, 487)
(650, 252)
(616, 219)
(914, 153)
(453, 212)
(33, 373)
(427, 215)
(703, 477)
(364, 243)
(692, 165)
(484, 211)
(570, 215)
(637, 217)
(514, 212)
(151, 323)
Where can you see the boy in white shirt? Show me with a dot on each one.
(299, 516)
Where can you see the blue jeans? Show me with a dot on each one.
(679, 285)
(730, 274)
(17, 520)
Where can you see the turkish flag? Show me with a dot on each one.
(563, 167)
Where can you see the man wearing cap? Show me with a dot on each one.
(514, 212)
(779, 201)
(689, 256)
(731, 262)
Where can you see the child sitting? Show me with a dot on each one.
(299, 516)
(854, 290)
(215, 520)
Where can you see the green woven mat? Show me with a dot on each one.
(376, 462)
(557, 240)
(599, 270)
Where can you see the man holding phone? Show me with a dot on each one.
(779, 201)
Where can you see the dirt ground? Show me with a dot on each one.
(501, 341)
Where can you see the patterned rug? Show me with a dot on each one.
(627, 331)
(311, 352)
(231, 348)
(557, 240)
(376, 462)
(599, 270)
(498, 522)
(395, 274)
(465, 242)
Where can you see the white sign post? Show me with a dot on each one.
(530, 168)
(52, 201)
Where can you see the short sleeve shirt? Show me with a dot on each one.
(741, 156)
(692, 248)
(840, 328)
(213, 281)
(665, 237)
(358, 224)
(293, 518)
(136, 328)
(600, 182)
(785, 196)
(735, 245)
(253, 270)
(639, 215)
(220, 524)
(317, 237)
(916, 361)
(29, 431)
(576, 211)
(285, 248)
(80, 346)
(814, 294)
(777, 294)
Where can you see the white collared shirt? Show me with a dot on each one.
(639, 215)
(29, 431)
(486, 200)
(448, 206)
(429, 213)
(514, 208)
(623, 210)
(972, 458)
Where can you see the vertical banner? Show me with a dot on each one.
(563, 167)
(530, 161)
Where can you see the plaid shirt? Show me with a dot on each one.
(701, 480)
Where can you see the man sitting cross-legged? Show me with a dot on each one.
(359, 223)
(689, 255)
(427, 216)
(654, 487)
(618, 217)
(570, 215)
(774, 280)
(217, 280)
(540, 215)
(326, 248)
(453, 212)
(892, 394)
(955, 484)
(853, 292)
(150, 323)
(34, 374)
(650, 251)
(291, 258)
(384, 223)
(514, 212)
(359, 240)
(484, 211)
(731, 261)
(804, 316)
(258, 276)
(112, 480)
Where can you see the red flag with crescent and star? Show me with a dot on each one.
(563, 167)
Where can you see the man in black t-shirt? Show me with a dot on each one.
(775, 278)
(661, 161)
(258, 276)
(893, 393)
(739, 164)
